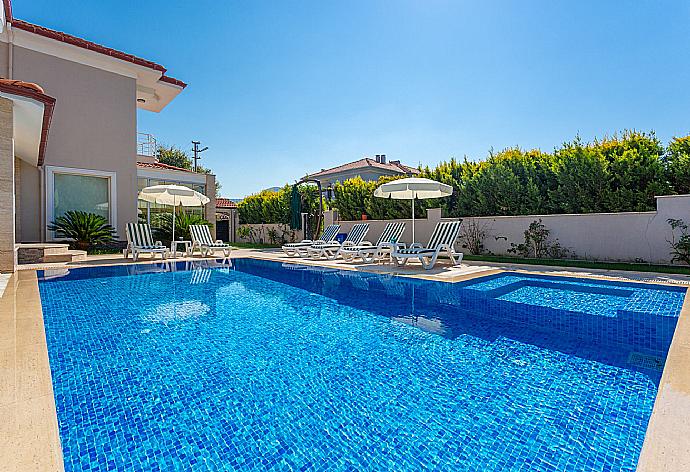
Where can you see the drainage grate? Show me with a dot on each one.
(646, 361)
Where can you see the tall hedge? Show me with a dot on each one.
(614, 174)
(355, 197)
(619, 173)
(677, 162)
(271, 206)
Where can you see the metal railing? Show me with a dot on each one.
(146, 145)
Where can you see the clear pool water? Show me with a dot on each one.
(262, 366)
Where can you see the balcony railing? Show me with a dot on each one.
(146, 145)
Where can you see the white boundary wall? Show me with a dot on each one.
(629, 236)
(261, 233)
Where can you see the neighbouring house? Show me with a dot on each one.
(68, 132)
(367, 168)
(225, 208)
(226, 219)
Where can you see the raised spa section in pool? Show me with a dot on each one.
(258, 365)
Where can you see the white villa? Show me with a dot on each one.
(68, 132)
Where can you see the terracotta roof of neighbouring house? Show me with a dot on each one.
(225, 203)
(366, 163)
(85, 44)
(35, 92)
(160, 165)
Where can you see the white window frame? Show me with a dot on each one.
(50, 192)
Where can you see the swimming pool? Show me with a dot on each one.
(287, 367)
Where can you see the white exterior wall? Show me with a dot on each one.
(596, 236)
(93, 129)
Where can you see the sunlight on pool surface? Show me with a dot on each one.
(292, 368)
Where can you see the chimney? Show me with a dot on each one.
(378, 158)
(383, 158)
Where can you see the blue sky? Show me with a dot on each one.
(278, 89)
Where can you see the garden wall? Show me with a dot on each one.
(630, 236)
(261, 233)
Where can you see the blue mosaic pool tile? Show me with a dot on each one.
(260, 366)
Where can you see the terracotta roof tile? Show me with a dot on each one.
(172, 80)
(91, 46)
(225, 203)
(83, 43)
(160, 165)
(366, 163)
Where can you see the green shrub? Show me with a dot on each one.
(614, 174)
(677, 162)
(86, 229)
(472, 236)
(162, 225)
(246, 232)
(680, 244)
(271, 206)
(619, 173)
(538, 243)
(355, 197)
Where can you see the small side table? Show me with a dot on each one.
(175, 244)
(394, 246)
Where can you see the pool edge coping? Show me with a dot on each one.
(418, 273)
(666, 445)
(27, 397)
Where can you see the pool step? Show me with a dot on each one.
(71, 255)
(512, 287)
(42, 253)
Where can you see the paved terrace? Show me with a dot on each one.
(27, 405)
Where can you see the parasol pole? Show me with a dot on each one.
(413, 218)
(173, 215)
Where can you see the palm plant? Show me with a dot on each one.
(163, 223)
(84, 228)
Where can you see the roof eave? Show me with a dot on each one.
(48, 107)
(150, 76)
(7, 7)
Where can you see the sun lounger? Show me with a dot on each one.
(139, 240)
(442, 240)
(369, 252)
(331, 250)
(300, 248)
(201, 239)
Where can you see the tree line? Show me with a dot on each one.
(174, 156)
(269, 206)
(614, 174)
